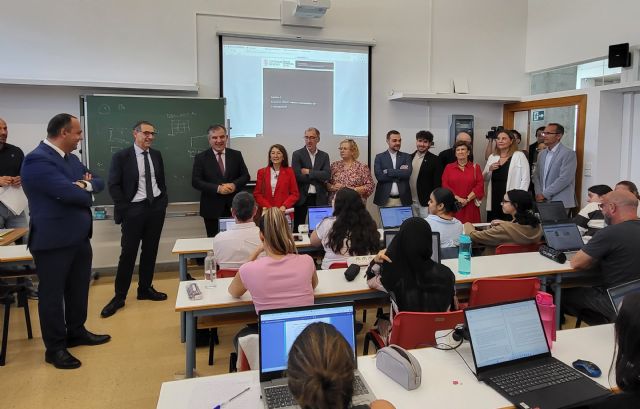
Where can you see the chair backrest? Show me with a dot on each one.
(338, 264)
(510, 248)
(417, 329)
(495, 290)
(226, 272)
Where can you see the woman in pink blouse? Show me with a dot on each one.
(350, 173)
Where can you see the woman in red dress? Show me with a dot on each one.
(464, 179)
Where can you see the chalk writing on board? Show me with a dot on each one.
(180, 126)
(104, 109)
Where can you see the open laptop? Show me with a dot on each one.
(511, 355)
(552, 211)
(393, 216)
(316, 214)
(617, 293)
(563, 237)
(280, 327)
(436, 255)
(226, 223)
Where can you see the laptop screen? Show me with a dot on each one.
(435, 243)
(617, 293)
(316, 214)
(279, 328)
(227, 223)
(563, 236)
(392, 217)
(551, 211)
(505, 332)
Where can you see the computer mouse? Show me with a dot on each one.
(588, 368)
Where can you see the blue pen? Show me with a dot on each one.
(227, 402)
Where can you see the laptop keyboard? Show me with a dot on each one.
(531, 379)
(280, 396)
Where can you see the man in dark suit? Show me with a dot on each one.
(139, 192)
(59, 189)
(392, 169)
(448, 156)
(426, 174)
(313, 170)
(218, 173)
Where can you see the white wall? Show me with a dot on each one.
(402, 60)
(570, 31)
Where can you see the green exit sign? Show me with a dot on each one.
(538, 115)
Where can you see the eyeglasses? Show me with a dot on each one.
(310, 138)
(549, 133)
(149, 133)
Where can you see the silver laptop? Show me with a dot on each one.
(226, 223)
(617, 293)
(393, 216)
(280, 327)
(563, 237)
(511, 355)
(436, 255)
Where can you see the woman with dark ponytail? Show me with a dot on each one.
(320, 370)
(442, 207)
(524, 228)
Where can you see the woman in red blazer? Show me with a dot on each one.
(276, 184)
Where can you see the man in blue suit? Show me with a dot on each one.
(59, 189)
(393, 170)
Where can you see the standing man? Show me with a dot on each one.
(313, 170)
(139, 192)
(59, 189)
(448, 156)
(533, 148)
(392, 169)
(10, 162)
(555, 174)
(426, 174)
(218, 173)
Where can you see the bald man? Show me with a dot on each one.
(613, 253)
(448, 156)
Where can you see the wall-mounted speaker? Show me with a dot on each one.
(619, 55)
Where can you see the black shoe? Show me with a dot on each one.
(151, 294)
(88, 338)
(114, 305)
(62, 359)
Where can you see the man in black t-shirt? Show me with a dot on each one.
(448, 156)
(614, 253)
(10, 162)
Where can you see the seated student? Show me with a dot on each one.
(523, 229)
(614, 250)
(350, 232)
(629, 187)
(320, 370)
(627, 360)
(405, 269)
(234, 247)
(590, 218)
(442, 206)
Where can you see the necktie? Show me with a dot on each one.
(220, 162)
(147, 177)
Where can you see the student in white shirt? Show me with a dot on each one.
(442, 207)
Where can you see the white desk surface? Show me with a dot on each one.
(439, 370)
(14, 253)
(330, 282)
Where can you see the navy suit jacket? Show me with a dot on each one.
(124, 177)
(60, 210)
(318, 176)
(385, 179)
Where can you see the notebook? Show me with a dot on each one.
(280, 327)
(436, 255)
(511, 354)
(563, 237)
(4, 232)
(617, 293)
(393, 216)
(226, 223)
(316, 214)
(552, 211)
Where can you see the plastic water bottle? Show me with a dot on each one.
(464, 255)
(210, 270)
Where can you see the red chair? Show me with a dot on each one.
(226, 272)
(495, 290)
(338, 264)
(412, 330)
(510, 248)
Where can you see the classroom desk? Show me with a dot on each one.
(332, 287)
(12, 236)
(439, 370)
(11, 256)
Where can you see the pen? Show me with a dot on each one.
(226, 402)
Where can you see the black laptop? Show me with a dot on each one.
(552, 211)
(617, 293)
(511, 355)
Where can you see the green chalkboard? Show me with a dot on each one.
(181, 124)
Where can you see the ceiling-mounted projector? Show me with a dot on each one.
(306, 13)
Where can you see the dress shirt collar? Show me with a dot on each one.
(392, 152)
(55, 148)
(215, 152)
(312, 154)
(555, 148)
(138, 149)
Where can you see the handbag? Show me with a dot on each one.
(475, 201)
